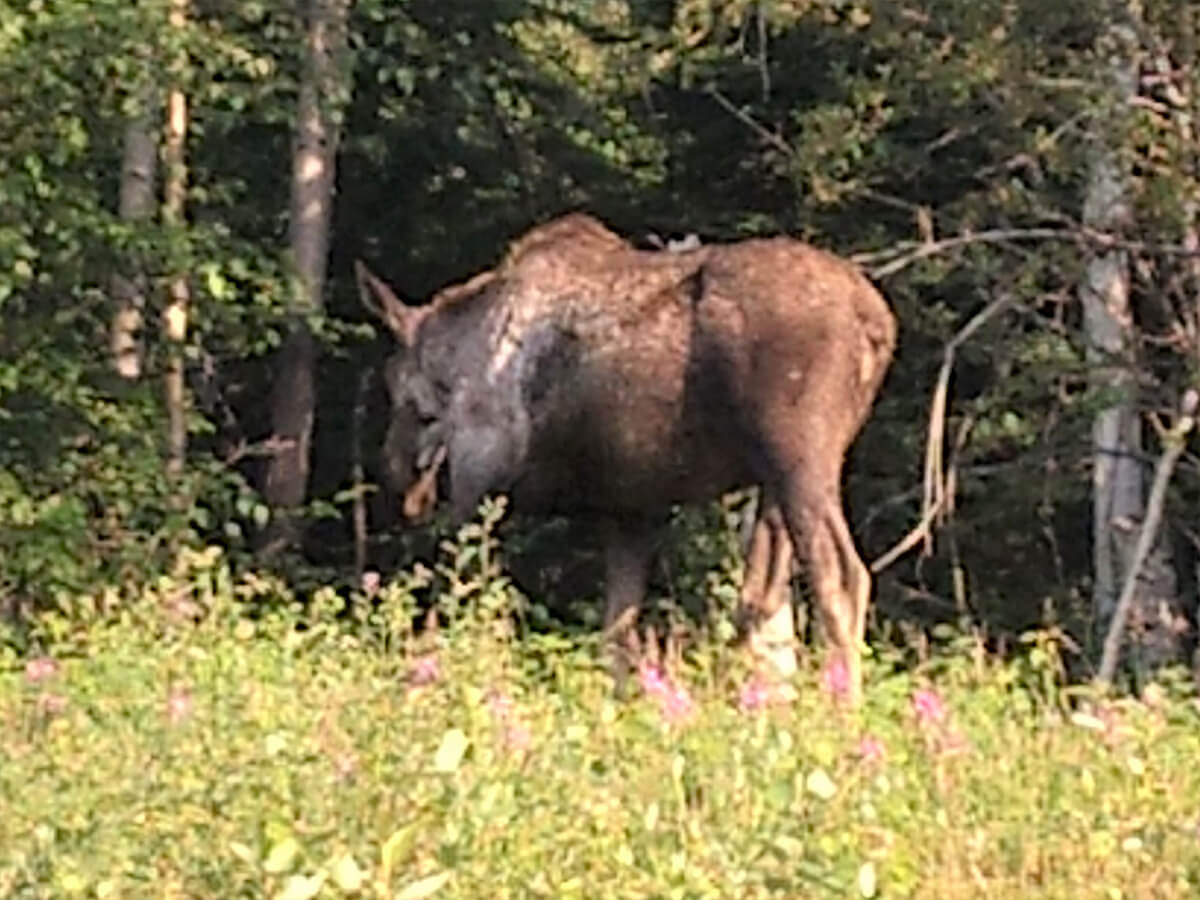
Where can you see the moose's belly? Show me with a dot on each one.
(634, 427)
(632, 458)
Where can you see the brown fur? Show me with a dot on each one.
(667, 378)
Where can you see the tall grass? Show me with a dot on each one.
(182, 748)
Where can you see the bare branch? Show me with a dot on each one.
(1173, 443)
(272, 446)
(903, 254)
(919, 532)
(752, 123)
(979, 470)
(938, 479)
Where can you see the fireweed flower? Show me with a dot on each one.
(40, 669)
(755, 694)
(674, 701)
(501, 705)
(651, 679)
(940, 736)
(514, 734)
(763, 690)
(677, 705)
(179, 704)
(517, 737)
(424, 670)
(928, 707)
(871, 749)
(835, 679)
(370, 583)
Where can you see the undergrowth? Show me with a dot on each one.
(181, 747)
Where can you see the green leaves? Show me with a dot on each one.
(425, 887)
(281, 856)
(346, 874)
(450, 751)
(396, 849)
(302, 887)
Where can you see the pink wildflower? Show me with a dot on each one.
(835, 679)
(370, 582)
(652, 680)
(517, 737)
(179, 704)
(501, 705)
(424, 670)
(674, 701)
(514, 734)
(677, 705)
(928, 706)
(755, 695)
(871, 749)
(344, 765)
(40, 668)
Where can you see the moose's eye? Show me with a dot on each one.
(424, 399)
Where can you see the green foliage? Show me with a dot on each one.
(185, 748)
(82, 489)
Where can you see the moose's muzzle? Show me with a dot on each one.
(420, 497)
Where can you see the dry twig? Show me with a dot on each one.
(938, 479)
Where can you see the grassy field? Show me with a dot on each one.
(299, 756)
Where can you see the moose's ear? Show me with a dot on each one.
(382, 301)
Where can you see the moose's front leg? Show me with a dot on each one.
(630, 548)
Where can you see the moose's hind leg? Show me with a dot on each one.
(841, 583)
(766, 624)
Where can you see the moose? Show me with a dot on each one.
(583, 376)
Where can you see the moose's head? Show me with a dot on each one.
(437, 350)
(413, 450)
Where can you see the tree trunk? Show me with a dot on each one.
(313, 168)
(1187, 115)
(1119, 470)
(358, 472)
(139, 165)
(175, 315)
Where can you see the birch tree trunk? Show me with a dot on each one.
(322, 91)
(1119, 469)
(139, 168)
(175, 315)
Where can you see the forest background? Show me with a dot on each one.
(184, 187)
